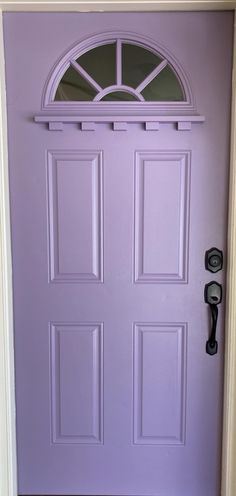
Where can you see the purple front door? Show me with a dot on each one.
(117, 190)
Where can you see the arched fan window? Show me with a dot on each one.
(120, 71)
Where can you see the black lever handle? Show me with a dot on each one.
(213, 296)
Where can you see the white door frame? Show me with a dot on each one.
(8, 473)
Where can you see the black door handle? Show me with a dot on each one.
(213, 296)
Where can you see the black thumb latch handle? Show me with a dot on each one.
(211, 344)
(213, 296)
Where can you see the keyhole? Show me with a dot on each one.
(214, 261)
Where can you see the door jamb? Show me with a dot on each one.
(8, 476)
(228, 484)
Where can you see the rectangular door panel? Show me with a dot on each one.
(161, 247)
(77, 383)
(159, 384)
(75, 220)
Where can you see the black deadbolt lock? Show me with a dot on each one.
(214, 260)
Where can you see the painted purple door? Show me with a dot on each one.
(111, 219)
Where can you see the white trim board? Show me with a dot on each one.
(8, 477)
(114, 5)
(7, 409)
(229, 420)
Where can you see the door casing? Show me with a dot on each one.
(8, 479)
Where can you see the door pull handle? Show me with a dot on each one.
(213, 296)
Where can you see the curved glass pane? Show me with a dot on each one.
(73, 87)
(100, 63)
(165, 87)
(119, 96)
(137, 63)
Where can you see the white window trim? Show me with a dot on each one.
(8, 473)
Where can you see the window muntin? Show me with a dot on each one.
(119, 96)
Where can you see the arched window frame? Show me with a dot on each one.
(181, 112)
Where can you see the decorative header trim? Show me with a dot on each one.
(56, 121)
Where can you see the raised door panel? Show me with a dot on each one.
(159, 383)
(75, 211)
(77, 383)
(161, 216)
